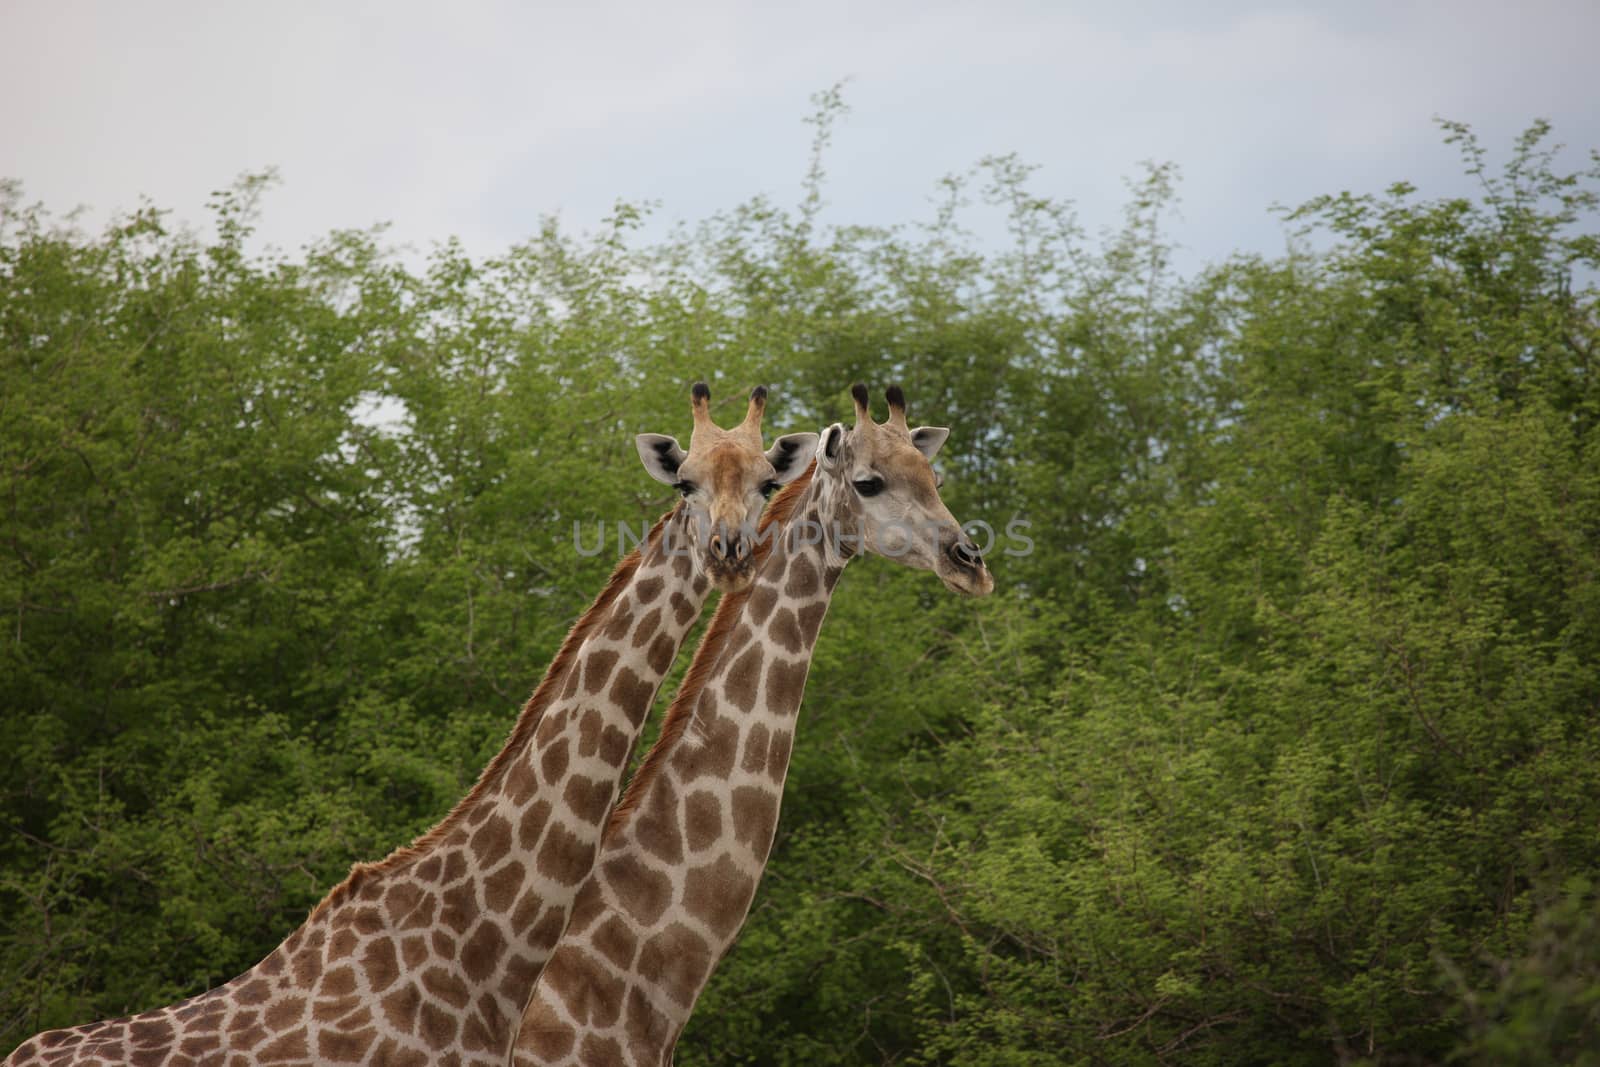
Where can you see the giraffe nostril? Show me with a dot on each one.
(965, 554)
(741, 549)
(719, 547)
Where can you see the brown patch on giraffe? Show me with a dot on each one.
(553, 761)
(306, 967)
(413, 950)
(546, 1033)
(547, 931)
(338, 983)
(436, 1025)
(588, 907)
(398, 902)
(455, 867)
(683, 609)
(778, 755)
(380, 965)
(617, 628)
(255, 991)
(647, 628)
(633, 694)
(480, 952)
(460, 907)
(755, 750)
(677, 960)
(500, 889)
(589, 732)
(811, 620)
(588, 798)
(208, 1021)
(663, 650)
(614, 746)
(368, 921)
(532, 824)
(421, 916)
(736, 641)
(492, 842)
(528, 909)
(521, 783)
(343, 944)
(718, 894)
(597, 671)
(327, 1010)
(803, 579)
(428, 870)
(656, 826)
(643, 892)
(601, 1051)
(615, 942)
(785, 632)
(786, 685)
(400, 1007)
(286, 1048)
(592, 995)
(762, 601)
(447, 986)
(755, 818)
(647, 1029)
(345, 1047)
(151, 1032)
(701, 585)
(714, 756)
(702, 819)
(444, 946)
(682, 565)
(649, 589)
(289, 1010)
(521, 972)
(244, 1040)
(574, 679)
(564, 858)
(477, 1034)
(743, 678)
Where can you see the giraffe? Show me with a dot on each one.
(684, 849)
(428, 956)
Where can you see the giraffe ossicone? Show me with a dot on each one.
(684, 850)
(429, 956)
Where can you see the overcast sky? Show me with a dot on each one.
(477, 119)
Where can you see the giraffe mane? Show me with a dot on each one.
(522, 733)
(729, 608)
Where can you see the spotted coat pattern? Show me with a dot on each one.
(428, 957)
(685, 849)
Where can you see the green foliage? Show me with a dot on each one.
(1277, 746)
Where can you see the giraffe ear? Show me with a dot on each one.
(790, 454)
(929, 439)
(831, 447)
(661, 455)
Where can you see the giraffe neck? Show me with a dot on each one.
(429, 955)
(680, 861)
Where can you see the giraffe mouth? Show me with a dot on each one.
(730, 576)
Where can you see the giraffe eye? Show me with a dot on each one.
(686, 488)
(768, 489)
(869, 486)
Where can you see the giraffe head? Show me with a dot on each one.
(880, 480)
(725, 477)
